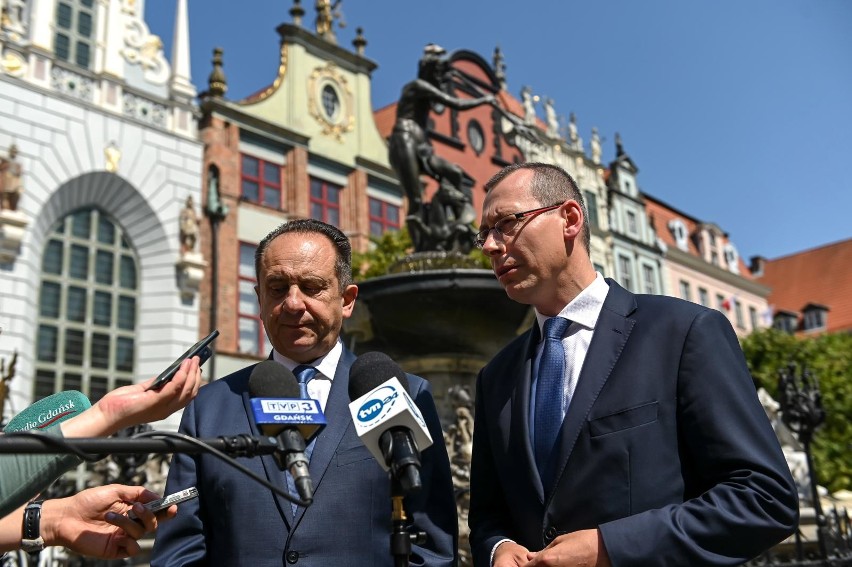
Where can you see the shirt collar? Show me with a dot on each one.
(583, 309)
(325, 365)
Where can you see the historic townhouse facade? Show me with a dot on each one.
(637, 256)
(702, 265)
(101, 166)
(304, 146)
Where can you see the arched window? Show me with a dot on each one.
(88, 298)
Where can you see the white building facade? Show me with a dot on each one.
(98, 275)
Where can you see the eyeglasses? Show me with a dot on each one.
(508, 224)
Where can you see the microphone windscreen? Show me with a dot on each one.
(50, 411)
(372, 369)
(272, 380)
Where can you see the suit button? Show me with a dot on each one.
(550, 533)
(292, 557)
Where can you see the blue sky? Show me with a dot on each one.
(736, 112)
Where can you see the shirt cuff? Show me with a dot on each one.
(494, 549)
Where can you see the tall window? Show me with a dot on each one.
(752, 316)
(631, 222)
(626, 270)
(703, 297)
(252, 334)
(592, 207)
(738, 314)
(685, 291)
(75, 25)
(260, 181)
(383, 217)
(648, 273)
(87, 307)
(325, 201)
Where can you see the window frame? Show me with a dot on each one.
(383, 220)
(261, 340)
(323, 202)
(66, 365)
(263, 184)
(77, 42)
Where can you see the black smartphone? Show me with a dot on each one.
(201, 349)
(163, 503)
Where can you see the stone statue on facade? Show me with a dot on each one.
(528, 102)
(112, 155)
(446, 222)
(6, 377)
(550, 118)
(595, 144)
(188, 226)
(13, 16)
(11, 187)
(573, 135)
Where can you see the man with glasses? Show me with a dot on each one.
(621, 429)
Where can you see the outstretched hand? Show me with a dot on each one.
(133, 405)
(94, 522)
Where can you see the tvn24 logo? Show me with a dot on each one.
(379, 405)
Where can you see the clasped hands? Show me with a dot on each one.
(582, 548)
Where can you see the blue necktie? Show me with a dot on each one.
(304, 374)
(549, 391)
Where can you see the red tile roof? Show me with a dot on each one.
(821, 276)
(661, 214)
(385, 118)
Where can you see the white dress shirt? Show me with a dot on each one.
(320, 385)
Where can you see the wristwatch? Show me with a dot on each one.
(32, 541)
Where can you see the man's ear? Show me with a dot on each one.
(573, 215)
(349, 295)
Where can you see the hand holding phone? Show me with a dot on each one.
(201, 349)
(163, 503)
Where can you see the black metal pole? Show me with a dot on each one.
(214, 285)
(820, 517)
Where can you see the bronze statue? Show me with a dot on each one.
(446, 222)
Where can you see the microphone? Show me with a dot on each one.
(49, 412)
(386, 418)
(279, 412)
(43, 416)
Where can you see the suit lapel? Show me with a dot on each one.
(338, 418)
(516, 421)
(611, 333)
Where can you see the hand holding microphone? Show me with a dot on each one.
(386, 418)
(74, 416)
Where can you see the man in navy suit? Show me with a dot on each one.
(305, 291)
(633, 435)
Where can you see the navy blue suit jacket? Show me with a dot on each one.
(664, 447)
(236, 521)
